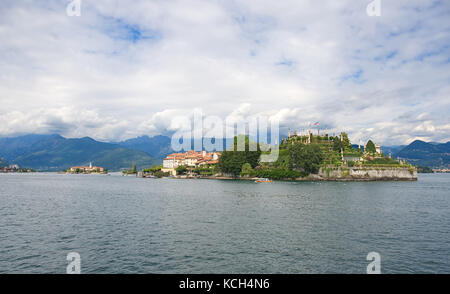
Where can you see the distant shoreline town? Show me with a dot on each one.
(15, 168)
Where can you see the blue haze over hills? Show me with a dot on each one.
(55, 153)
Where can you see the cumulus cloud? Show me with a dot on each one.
(127, 68)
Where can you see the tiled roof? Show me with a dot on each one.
(192, 154)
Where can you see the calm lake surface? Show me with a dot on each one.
(132, 225)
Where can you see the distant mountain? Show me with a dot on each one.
(356, 147)
(3, 162)
(157, 146)
(385, 149)
(11, 148)
(426, 154)
(392, 149)
(54, 153)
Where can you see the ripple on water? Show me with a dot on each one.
(130, 225)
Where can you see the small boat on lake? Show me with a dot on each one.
(263, 180)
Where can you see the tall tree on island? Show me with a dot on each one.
(370, 147)
(341, 142)
(346, 141)
(231, 161)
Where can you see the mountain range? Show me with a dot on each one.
(3, 162)
(55, 153)
(426, 154)
(392, 150)
(157, 146)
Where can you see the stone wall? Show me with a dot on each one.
(368, 173)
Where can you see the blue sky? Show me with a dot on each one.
(126, 68)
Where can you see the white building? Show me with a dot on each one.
(378, 148)
(190, 159)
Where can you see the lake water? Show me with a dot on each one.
(132, 225)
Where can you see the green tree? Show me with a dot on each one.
(153, 169)
(231, 161)
(337, 144)
(305, 158)
(283, 159)
(341, 142)
(246, 169)
(346, 141)
(370, 147)
(252, 157)
(181, 170)
(160, 174)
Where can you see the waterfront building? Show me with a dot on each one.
(190, 158)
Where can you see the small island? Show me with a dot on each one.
(86, 170)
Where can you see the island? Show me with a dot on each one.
(86, 169)
(302, 156)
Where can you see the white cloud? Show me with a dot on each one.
(123, 69)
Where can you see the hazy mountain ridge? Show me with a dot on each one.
(54, 153)
(426, 154)
(157, 146)
(392, 150)
(3, 162)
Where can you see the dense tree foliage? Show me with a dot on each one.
(341, 142)
(337, 144)
(306, 158)
(156, 171)
(346, 141)
(382, 160)
(181, 170)
(283, 160)
(276, 173)
(204, 170)
(246, 168)
(231, 161)
(153, 169)
(370, 147)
